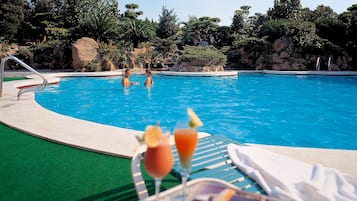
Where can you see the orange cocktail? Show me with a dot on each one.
(186, 141)
(158, 161)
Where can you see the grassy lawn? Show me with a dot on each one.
(35, 169)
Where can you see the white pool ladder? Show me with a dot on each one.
(22, 90)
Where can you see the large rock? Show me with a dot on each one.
(282, 43)
(277, 59)
(260, 63)
(284, 55)
(84, 50)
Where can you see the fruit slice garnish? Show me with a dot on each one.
(194, 120)
(224, 195)
(152, 136)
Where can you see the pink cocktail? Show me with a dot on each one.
(158, 161)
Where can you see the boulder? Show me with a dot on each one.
(298, 66)
(245, 57)
(276, 58)
(334, 67)
(339, 61)
(284, 55)
(301, 61)
(260, 63)
(189, 67)
(197, 63)
(282, 43)
(282, 66)
(84, 51)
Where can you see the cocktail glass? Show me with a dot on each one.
(158, 162)
(185, 142)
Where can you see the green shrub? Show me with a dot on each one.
(3, 49)
(57, 33)
(93, 67)
(273, 29)
(110, 51)
(51, 54)
(25, 55)
(208, 55)
(302, 32)
(256, 46)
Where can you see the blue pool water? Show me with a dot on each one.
(306, 111)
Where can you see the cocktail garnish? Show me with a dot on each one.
(152, 136)
(194, 121)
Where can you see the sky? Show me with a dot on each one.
(223, 9)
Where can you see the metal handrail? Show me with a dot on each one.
(22, 90)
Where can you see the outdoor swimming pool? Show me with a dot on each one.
(306, 111)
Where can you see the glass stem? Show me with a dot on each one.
(157, 188)
(184, 180)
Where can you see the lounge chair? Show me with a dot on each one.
(209, 160)
(138, 180)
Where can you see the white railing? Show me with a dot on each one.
(22, 90)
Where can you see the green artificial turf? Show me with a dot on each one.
(35, 169)
(13, 78)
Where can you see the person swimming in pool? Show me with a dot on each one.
(125, 81)
(148, 82)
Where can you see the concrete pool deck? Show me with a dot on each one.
(28, 116)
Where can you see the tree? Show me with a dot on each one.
(137, 31)
(71, 13)
(130, 11)
(11, 16)
(43, 14)
(303, 33)
(47, 13)
(322, 11)
(256, 47)
(167, 24)
(200, 31)
(328, 26)
(100, 20)
(352, 29)
(238, 21)
(349, 18)
(332, 29)
(133, 30)
(306, 14)
(273, 29)
(222, 37)
(240, 27)
(259, 19)
(285, 9)
(165, 45)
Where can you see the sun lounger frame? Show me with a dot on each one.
(210, 160)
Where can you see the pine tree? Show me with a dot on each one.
(167, 24)
(285, 9)
(11, 16)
